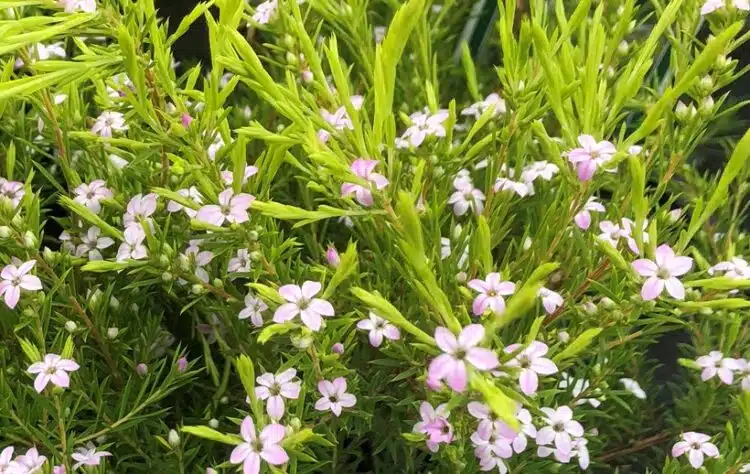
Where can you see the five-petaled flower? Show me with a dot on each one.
(364, 169)
(379, 328)
(696, 445)
(17, 278)
(715, 364)
(132, 248)
(109, 122)
(423, 125)
(92, 243)
(560, 427)
(531, 363)
(231, 208)
(434, 424)
(253, 309)
(256, 447)
(53, 369)
(663, 273)
(91, 194)
(88, 456)
(551, 300)
(275, 388)
(451, 365)
(590, 156)
(583, 218)
(301, 301)
(334, 396)
(712, 5)
(491, 291)
(12, 190)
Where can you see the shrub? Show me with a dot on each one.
(334, 248)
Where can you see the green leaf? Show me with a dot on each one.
(726, 303)
(578, 345)
(211, 434)
(719, 283)
(84, 213)
(389, 312)
(483, 244)
(274, 330)
(32, 353)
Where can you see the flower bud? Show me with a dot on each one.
(184, 262)
(623, 48)
(163, 261)
(71, 326)
(114, 303)
(255, 256)
(182, 364)
(112, 333)
(197, 289)
(332, 256)
(607, 303)
(213, 423)
(706, 85)
(723, 63)
(527, 243)
(589, 308)
(301, 341)
(253, 235)
(173, 438)
(457, 231)
(289, 41)
(101, 439)
(218, 283)
(95, 297)
(563, 337)
(210, 470)
(4, 232)
(30, 240)
(291, 58)
(186, 119)
(166, 276)
(295, 423)
(141, 369)
(674, 215)
(337, 348)
(224, 400)
(707, 106)
(681, 111)
(49, 255)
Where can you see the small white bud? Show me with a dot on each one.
(707, 106)
(112, 333)
(527, 243)
(29, 240)
(607, 303)
(457, 231)
(71, 326)
(4, 232)
(213, 423)
(589, 308)
(623, 48)
(174, 438)
(706, 84)
(674, 215)
(461, 277)
(563, 337)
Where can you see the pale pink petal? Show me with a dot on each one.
(61, 379)
(696, 458)
(310, 318)
(478, 285)
(574, 428)
(322, 307)
(482, 359)
(710, 450)
(274, 454)
(480, 304)
(392, 332)
(286, 376)
(645, 267)
(445, 340)
(675, 288)
(441, 366)
(457, 378)
(679, 448)
(240, 453)
(543, 366)
(528, 381)
(26, 267)
(251, 464)
(210, 214)
(310, 289)
(471, 335)
(285, 312)
(12, 295)
(247, 429)
(291, 293)
(272, 434)
(664, 254)
(41, 381)
(583, 220)
(275, 407)
(376, 338)
(652, 288)
(326, 388)
(679, 265)
(347, 400)
(290, 390)
(545, 435)
(323, 404)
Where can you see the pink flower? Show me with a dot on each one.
(265, 447)
(132, 248)
(301, 302)
(527, 429)
(140, 207)
(560, 427)
(451, 365)
(339, 120)
(583, 218)
(186, 119)
(91, 194)
(539, 169)
(379, 328)
(611, 233)
(716, 364)
(200, 259)
(240, 263)
(91, 243)
(70, 6)
(228, 176)
(532, 363)
(334, 396)
(736, 269)
(491, 291)
(590, 155)
(478, 108)
(743, 371)
(88, 456)
(109, 122)
(551, 300)
(6, 456)
(275, 388)
(182, 364)
(17, 278)
(232, 208)
(488, 421)
(696, 445)
(435, 424)
(12, 190)
(29, 463)
(466, 197)
(332, 256)
(55, 470)
(491, 444)
(364, 169)
(54, 369)
(254, 308)
(424, 125)
(663, 273)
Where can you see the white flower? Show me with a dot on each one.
(716, 364)
(560, 427)
(379, 328)
(88, 456)
(712, 5)
(424, 125)
(265, 12)
(140, 207)
(132, 248)
(70, 6)
(696, 445)
(543, 169)
(478, 108)
(91, 243)
(201, 259)
(633, 387)
(466, 197)
(551, 300)
(736, 269)
(334, 396)
(275, 388)
(445, 248)
(109, 122)
(254, 308)
(240, 263)
(91, 194)
(53, 369)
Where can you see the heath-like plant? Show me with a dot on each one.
(342, 245)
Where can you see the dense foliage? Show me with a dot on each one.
(344, 246)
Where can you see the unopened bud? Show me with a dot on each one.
(71, 326)
(563, 337)
(457, 231)
(289, 41)
(114, 303)
(112, 333)
(224, 400)
(255, 256)
(141, 369)
(623, 48)
(163, 261)
(29, 240)
(607, 303)
(182, 364)
(461, 277)
(295, 423)
(674, 215)
(301, 341)
(253, 235)
(197, 289)
(706, 85)
(291, 58)
(683, 112)
(166, 276)
(48, 255)
(218, 282)
(173, 438)
(589, 308)
(707, 106)
(337, 348)
(723, 63)
(527, 243)
(4, 232)
(213, 423)
(332, 255)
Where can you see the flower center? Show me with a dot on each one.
(303, 303)
(558, 427)
(50, 371)
(695, 446)
(524, 361)
(257, 445)
(460, 354)
(333, 398)
(663, 273)
(492, 293)
(275, 389)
